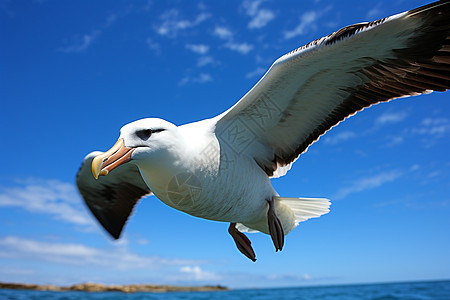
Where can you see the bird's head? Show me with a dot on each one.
(143, 140)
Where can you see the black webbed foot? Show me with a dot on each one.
(242, 242)
(275, 228)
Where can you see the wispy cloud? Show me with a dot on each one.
(205, 60)
(368, 183)
(434, 127)
(142, 241)
(339, 137)
(79, 43)
(195, 273)
(260, 17)
(200, 274)
(118, 259)
(223, 33)
(290, 277)
(201, 78)
(394, 140)
(51, 197)
(198, 48)
(257, 72)
(172, 23)
(13, 247)
(154, 46)
(242, 48)
(390, 118)
(306, 22)
(270, 279)
(375, 12)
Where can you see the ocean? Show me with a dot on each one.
(435, 290)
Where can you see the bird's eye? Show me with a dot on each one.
(144, 134)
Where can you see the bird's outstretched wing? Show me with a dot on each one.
(111, 198)
(313, 88)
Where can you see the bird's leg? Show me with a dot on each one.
(242, 242)
(275, 228)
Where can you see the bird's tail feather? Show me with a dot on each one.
(306, 208)
(290, 211)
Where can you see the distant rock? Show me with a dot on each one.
(99, 287)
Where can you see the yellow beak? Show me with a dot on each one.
(104, 163)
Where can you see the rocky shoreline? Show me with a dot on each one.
(99, 287)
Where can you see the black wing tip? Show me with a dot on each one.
(354, 28)
(111, 202)
(430, 6)
(113, 233)
(425, 62)
(111, 225)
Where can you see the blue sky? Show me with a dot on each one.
(72, 73)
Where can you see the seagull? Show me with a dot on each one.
(220, 168)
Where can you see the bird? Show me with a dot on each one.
(220, 168)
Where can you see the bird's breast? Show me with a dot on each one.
(235, 194)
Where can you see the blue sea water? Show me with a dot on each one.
(435, 290)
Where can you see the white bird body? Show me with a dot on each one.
(220, 168)
(223, 186)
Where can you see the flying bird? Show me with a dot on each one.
(220, 168)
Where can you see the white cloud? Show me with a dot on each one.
(205, 60)
(199, 48)
(143, 241)
(375, 12)
(195, 273)
(290, 277)
(306, 21)
(257, 72)
(414, 167)
(8, 271)
(13, 247)
(368, 183)
(242, 48)
(185, 80)
(201, 78)
(434, 174)
(394, 140)
(251, 7)
(260, 17)
(201, 17)
(246, 280)
(390, 118)
(81, 43)
(111, 19)
(436, 127)
(172, 23)
(339, 137)
(52, 197)
(113, 260)
(154, 46)
(223, 33)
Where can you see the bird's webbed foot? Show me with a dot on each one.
(242, 242)
(275, 228)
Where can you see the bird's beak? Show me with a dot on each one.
(104, 163)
